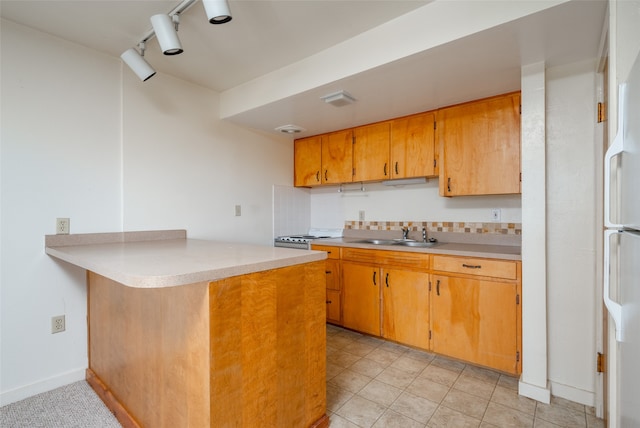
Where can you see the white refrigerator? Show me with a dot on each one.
(622, 255)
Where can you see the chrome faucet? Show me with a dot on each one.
(405, 233)
(424, 234)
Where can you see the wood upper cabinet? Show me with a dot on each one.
(307, 161)
(361, 297)
(479, 146)
(323, 159)
(413, 151)
(371, 152)
(405, 307)
(337, 157)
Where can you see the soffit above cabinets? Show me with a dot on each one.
(276, 58)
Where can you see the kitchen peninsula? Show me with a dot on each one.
(186, 332)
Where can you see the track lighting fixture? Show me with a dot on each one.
(165, 28)
(217, 11)
(137, 63)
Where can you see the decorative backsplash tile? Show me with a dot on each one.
(438, 226)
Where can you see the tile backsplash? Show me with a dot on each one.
(438, 226)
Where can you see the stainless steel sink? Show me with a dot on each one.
(402, 242)
(376, 241)
(416, 244)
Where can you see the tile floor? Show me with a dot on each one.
(373, 383)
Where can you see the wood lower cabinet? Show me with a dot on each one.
(480, 147)
(361, 304)
(405, 307)
(476, 317)
(386, 293)
(333, 274)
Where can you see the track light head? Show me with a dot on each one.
(166, 31)
(218, 11)
(137, 63)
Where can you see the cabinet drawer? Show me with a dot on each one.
(332, 252)
(382, 257)
(480, 267)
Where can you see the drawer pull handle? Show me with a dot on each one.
(397, 168)
(318, 176)
(385, 169)
(329, 302)
(374, 278)
(328, 272)
(438, 287)
(386, 280)
(325, 175)
(472, 266)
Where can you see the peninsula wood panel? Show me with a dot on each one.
(150, 348)
(244, 351)
(480, 147)
(268, 348)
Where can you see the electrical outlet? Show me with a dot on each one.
(63, 226)
(238, 210)
(495, 214)
(361, 215)
(57, 324)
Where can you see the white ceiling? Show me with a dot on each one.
(268, 35)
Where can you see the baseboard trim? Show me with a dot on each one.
(118, 410)
(540, 394)
(573, 394)
(45, 385)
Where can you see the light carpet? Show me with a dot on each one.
(71, 406)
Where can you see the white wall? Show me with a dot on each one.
(82, 138)
(60, 158)
(184, 168)
(572, 229)
(415, 202)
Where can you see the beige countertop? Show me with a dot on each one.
(505, 252)
(167, 258)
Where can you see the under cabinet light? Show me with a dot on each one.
(404, 181)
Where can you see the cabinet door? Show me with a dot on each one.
(476, 321)
(337, 157)
(413, 146)
(361, 297)
(405, 307)
(480, 147)
(333, 307)
(371, 152)
(307, 154)
(333, 274)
